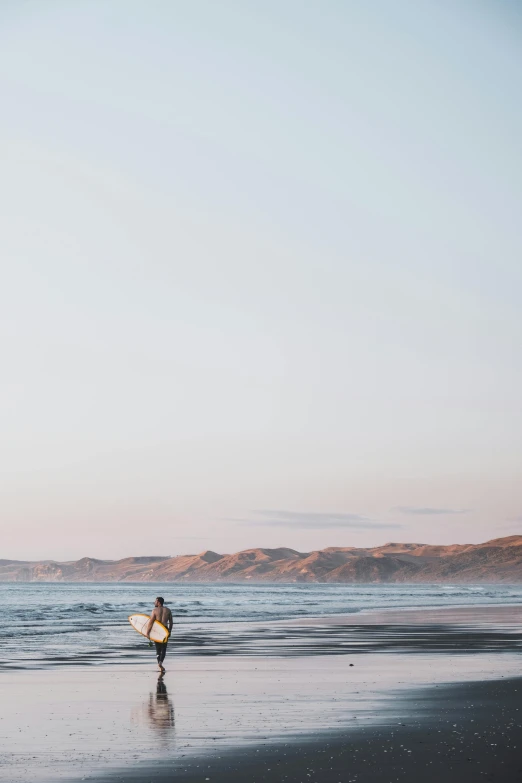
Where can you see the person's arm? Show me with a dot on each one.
(170, 623)
(151, 623)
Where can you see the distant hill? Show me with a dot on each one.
(499, 560)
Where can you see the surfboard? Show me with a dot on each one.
(158, 633)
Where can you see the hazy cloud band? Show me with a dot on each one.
(314, 520)
(427, 510)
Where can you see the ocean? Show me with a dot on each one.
(57, 624)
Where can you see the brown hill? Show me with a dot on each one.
(499, 560)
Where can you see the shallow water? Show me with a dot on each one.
(48, 625)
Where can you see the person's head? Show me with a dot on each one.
(159, 601)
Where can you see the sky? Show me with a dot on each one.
(261, 275)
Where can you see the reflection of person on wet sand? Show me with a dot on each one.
(160, 710)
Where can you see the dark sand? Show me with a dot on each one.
(452, 734)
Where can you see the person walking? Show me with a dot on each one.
(163, 615)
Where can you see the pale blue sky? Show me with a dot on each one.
(261, 274)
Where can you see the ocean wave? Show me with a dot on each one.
(77, 617)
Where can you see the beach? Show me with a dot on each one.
(458, 734)
(261, 303)
(377, 696)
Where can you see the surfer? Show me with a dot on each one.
(163, 615)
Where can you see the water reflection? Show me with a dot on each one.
(157, 713)
(160, 710)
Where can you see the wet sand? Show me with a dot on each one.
(239, 715)
(483, 616)
(449, 734)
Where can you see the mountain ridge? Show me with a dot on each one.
(497, 560)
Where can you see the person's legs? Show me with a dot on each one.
(161, 649)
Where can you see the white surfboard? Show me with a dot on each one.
(158, 633)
